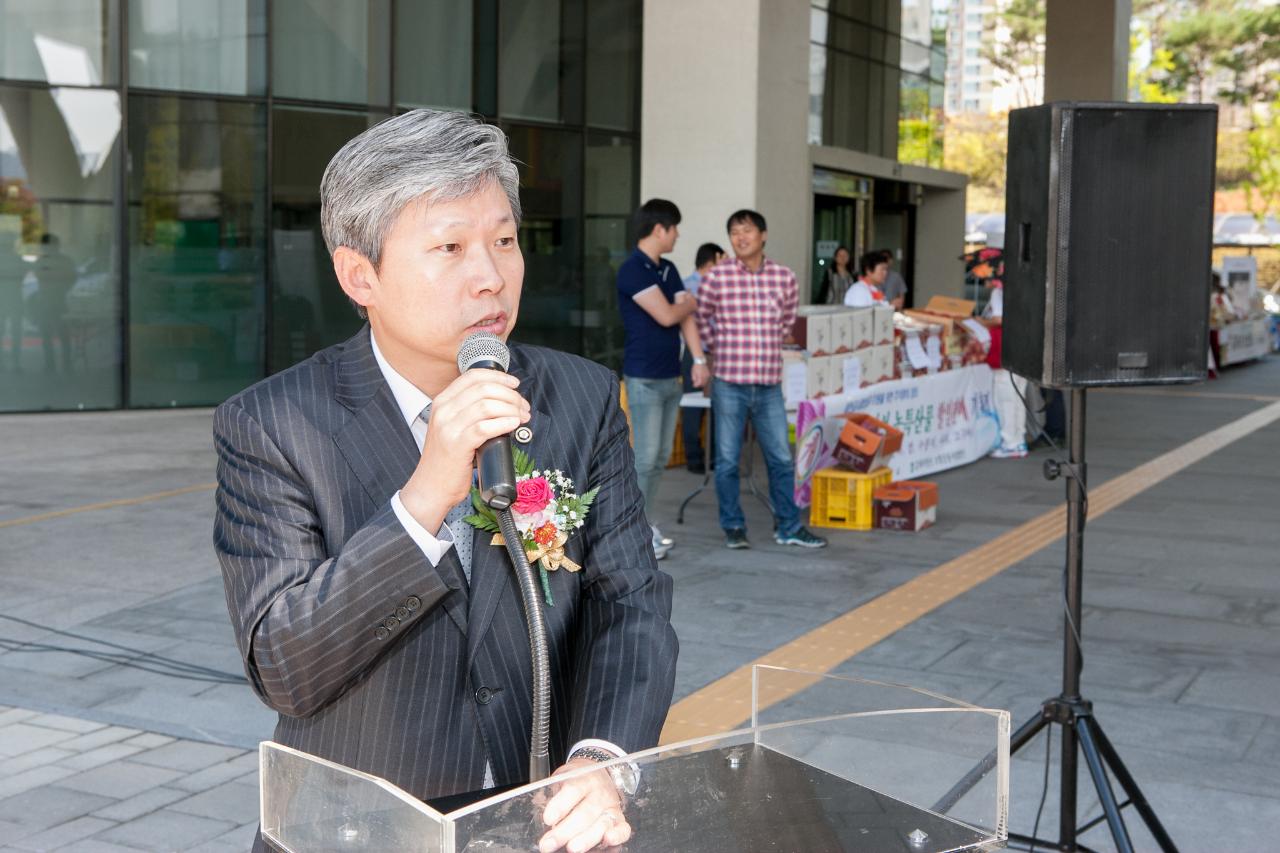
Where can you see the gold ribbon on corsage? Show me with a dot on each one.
(552, 555)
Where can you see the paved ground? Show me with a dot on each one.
(1182, 604)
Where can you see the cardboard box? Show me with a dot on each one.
(842, 331)
(906, 505)
(949, 306)
(879, 365)
(816, 376)
(866, 443)
(947, 312)
(812, 331)
(919, 352)
(849, 379)
(833, 379)
(863, 320)
(882, 325)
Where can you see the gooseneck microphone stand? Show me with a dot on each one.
(539, 760)
(497, 477)
(1069, 710)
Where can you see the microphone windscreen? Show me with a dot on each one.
(482, 347)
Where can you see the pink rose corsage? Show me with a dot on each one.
(547, 513)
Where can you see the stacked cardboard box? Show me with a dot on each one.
(964, 339)
(825, 338)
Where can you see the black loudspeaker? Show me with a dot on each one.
(1108, 235)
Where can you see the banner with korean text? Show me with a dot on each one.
(947, 420)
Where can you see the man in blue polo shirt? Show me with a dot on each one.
(656, 310)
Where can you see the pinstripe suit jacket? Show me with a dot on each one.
(381, 662)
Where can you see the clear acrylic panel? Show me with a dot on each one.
(943, 757)
(310, 804)
(844, 764)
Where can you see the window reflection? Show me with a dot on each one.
(440, 29)
(196, 222)
(613, 63)
(309, 309)
(609, 194)
(530, 65)
(59, 279)
(875, 86)
(64, 42)
(198, 46)
(331, 50)
(215, 301)
(550, 193)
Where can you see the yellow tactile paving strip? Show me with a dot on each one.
(725, 704)
(46, 516)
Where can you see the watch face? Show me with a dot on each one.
(626, 778)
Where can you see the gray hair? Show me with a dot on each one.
(422, 154)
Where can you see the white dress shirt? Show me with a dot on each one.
(412, 401)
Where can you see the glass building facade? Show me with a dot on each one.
(876, 78)
(160, 163)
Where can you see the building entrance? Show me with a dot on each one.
(841, 217)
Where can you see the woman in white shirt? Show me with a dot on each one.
(866, 291)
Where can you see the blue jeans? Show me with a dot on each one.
(654, 404)
(731, 405)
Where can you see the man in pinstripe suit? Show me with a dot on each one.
(386, 632)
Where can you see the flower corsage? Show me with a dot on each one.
(546, 512)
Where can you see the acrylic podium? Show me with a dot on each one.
(828, 764)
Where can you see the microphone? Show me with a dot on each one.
(494, 466)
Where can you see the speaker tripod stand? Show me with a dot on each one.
(1069, 710)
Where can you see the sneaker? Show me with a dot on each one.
(660, 553)
(736, 539)
(659, 540)
(1015, 452)
(802, 538)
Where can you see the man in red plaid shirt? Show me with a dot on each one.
(746, 306)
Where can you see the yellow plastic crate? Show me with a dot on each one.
(842, 499)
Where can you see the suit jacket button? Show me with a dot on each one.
(412, 603)
(483, 695)
(381, 633)
(390, 622)
(402, 613)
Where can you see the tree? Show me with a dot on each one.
(1262, 189)
(1015, 46)
(976, 146)
(1193, 44)
(1250, 49)
(1150, 85)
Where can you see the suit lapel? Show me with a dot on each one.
(492, 575)
(379, 448)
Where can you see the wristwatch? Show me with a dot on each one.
(625, 776)
(699, 361)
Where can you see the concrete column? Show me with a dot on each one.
(724, 109)
(1086, 54)
(939, 244)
